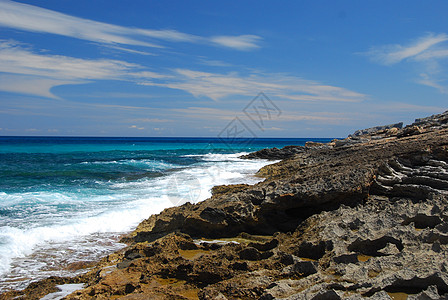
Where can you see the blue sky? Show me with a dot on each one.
(191, 68)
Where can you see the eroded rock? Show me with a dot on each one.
(366, 217)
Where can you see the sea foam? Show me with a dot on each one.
(83, 225)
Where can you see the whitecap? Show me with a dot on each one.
(71, 232)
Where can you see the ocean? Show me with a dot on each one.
(65, 201)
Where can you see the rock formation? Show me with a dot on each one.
(275, 153)
(363, 217)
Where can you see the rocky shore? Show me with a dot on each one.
(363, 217)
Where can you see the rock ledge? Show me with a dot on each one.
(363, 217)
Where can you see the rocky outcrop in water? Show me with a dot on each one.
(363, 217)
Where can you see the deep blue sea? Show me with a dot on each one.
(65, 200)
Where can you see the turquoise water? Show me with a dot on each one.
(66, 200)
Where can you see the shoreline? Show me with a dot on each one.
(48, 259)
(364, 216)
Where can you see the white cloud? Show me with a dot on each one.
(430, 81)
(242, 42)
(151, 120)
(213, 114)
(168, 35)
(217, 86)
(428, 53)
(432, 54)
(35, 73)
(214, 63)
(32, 18)
(319, 116)
(418, 50)
(132, 51)
(30, 85)
(18, 60)
(149, 74)
(120, 107)
(207, 113)
(408, 107)
(274, 129)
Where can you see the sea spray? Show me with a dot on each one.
(63, 202)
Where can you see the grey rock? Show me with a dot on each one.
(410, 130)
(364, 217)
(350, 141)
(327, 295)
(275, 153)
(124, 264)
(375, 129)
(381, 295)
(434, 120)
(301, 268)
(277, 290)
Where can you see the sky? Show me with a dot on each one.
(211, 68)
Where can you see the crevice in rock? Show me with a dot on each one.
(373, 247)
(182, 272)
(355, 224)
(414, 286)
(313, 251)
(433, 237)
(288, 219)
(422, 221)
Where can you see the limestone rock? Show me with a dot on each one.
(275, 153)
(365, 217)
(376, 129)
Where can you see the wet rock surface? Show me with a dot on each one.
(364, 217)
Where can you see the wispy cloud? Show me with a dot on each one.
(213, 114)
(132, 51)
(421, 49)
(30, 85)
(433, 81)
(396, 107)
(317, 116)
(16, 59)
(35, 73)
(429, 53)
(206, 113)
(432, 54)
(39, 72)
(32, 18)
(150, 120)
(214, 63)
(242, 42)
(218, 86)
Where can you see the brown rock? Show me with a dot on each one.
(363, 218)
